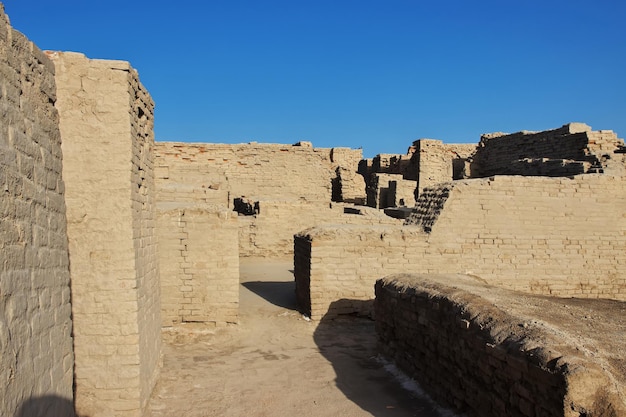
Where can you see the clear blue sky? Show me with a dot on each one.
(356, 73)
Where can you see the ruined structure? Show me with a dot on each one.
(36, 356)
(107, 115)
(148, 236)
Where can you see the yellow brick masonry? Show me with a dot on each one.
(106, 124)
(36, 358)
(199, 261)
(554, 236)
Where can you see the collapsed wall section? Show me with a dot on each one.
(569, 150)
(36, 357)
(486, 351)
(106, 121)
(501, 230)
(199, 264)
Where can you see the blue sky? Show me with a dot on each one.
(370, 74)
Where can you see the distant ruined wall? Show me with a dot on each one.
(553, 236)
(293, 185)
(270, 233)
(437, 161)
(199, 264)
(106, 121)
(261, 171)
(571, 149)
(36, 357)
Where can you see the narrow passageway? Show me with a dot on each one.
(275, 363)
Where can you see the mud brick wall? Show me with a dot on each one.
(553, 236)
(485, 351)
(378, 189)
(348, 185)
(437, 160)
(500, 154)
(401, 193)
(270, 232)
(106, 124)
(199, 264)
(262, 171)
(36, 357)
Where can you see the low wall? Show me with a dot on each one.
(36, 355)
(270, 233)
(504, 230)
(485, 351)
(199, 264)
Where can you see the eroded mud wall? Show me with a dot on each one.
(36, 359)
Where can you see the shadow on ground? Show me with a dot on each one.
(349, 344)
(47, 406)
(279, 293)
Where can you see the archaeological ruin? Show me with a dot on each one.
(494, 271)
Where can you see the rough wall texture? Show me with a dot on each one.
(348, 185)
(270, 233)
(571, 149)
(36, 358)
(378, 189)
(437, 161)
(106, 124)
(293, 186)
(502, 230)
(490, 352)
(261, 171)
(199, 264)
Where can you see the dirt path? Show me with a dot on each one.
(276, 364)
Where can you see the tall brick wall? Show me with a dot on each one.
(199, 261)
(553, 236)
(489, 352)
(106, 124)
(36, 358)
(143, 195)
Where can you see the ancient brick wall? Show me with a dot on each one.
(106, 124)
(199, 264)
(553, 236)
(488, 352)
(293, 185)
(36, 358)
(571, 149)
(261, 171)
(270, 232)
(437, 161)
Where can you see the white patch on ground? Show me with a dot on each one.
(414, 388)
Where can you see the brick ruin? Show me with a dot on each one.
(110, 238)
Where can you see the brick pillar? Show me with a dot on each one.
(106, 121)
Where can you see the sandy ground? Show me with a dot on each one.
(275, 363)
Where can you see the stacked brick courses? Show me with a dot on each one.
(571, 149)
(106, 124)
(502, 230)
(486, 351)
(291, 183)
(253, 170)
(198, 249)
(36, 358)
